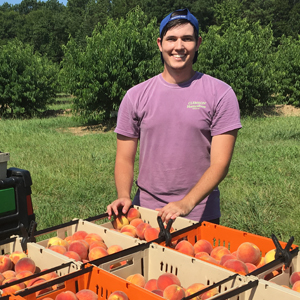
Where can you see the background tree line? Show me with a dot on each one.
(96, 50)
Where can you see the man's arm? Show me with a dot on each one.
(221, 153)
(124, 173)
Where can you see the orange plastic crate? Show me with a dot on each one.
(219, 235)
(101, 282)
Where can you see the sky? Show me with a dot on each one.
(13, 2)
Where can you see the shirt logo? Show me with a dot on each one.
(196, 105)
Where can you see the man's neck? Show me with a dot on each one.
(177, 76)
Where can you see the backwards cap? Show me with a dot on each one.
(188, 16)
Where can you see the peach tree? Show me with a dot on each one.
(242, 57)
(27, 81)
(118, 55)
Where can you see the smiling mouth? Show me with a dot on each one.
(178, 55)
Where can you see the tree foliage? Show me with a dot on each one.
(27, 81)
(240, 57)
(117, 56)
(287, 71)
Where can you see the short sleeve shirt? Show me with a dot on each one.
(175, 124)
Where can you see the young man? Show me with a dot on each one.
(186, 123)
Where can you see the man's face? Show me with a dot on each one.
(179, 46)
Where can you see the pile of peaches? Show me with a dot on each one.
(246, 259)
(17, 266)
(82, 246)
(87, 294)
(132, 225)
(169, 287)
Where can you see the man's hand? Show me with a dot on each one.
(113, 208)
(173, 210)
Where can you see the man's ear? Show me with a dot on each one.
(158, 41)
(199, 42)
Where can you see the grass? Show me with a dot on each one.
(73, 175)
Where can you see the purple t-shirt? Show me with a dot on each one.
(175, 124)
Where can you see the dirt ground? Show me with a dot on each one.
(264, 111)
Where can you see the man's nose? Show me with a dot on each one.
(178, 44)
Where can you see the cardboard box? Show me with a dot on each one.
(4, 158)
(150, 216)
(43, 258)
(110, 237)
(152, 260)
(103, 283)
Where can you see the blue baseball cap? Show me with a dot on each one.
(188, 16)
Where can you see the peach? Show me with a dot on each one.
(67, 295)
(200, 255)
(226, 257)
(250, 267)
(136, 222)
(132, 214)
(158, 292)
(129, 234)
(237, 266)
(295, 277)
(24, 274)
(129, 228)
(97, 252)
(296, 286)
(79, 235)
(218, 252)
(203, 246)
(2, 278)
(80, 248)
(86, 294)
(36, 281)
(97, 244)
(185, 247)
(14, 288)
(9, 274)
(114, 248)
(73, 255)
(68, 239)
(167, 279)
(270, 256)
(57, 241)
(25, 264)
(194, 288)
(249, 252)
(151, 284)
(210, 259)
(137, 279)
(48, 276)
(58, 249)
(117, 295)
(209, 294)
(119, 222)
(16, 255)
(174, 292)
(5, 263)
(151, 234)
(92, 237)
(261, 263)
(140, 230)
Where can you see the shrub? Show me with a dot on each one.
(27, 80)
(118, 56)
(287, 71)
(242, 58)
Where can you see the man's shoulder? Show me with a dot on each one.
(212, 80)
(143, 85)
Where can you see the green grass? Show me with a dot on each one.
(73, 175)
